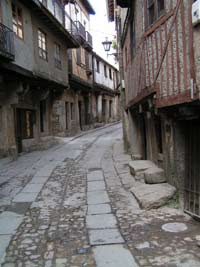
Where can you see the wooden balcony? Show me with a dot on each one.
(6, 43)
(89, 43)
(81, 34)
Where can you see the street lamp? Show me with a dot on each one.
(106, 44)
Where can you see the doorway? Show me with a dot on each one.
(192, 173)
(25, 120)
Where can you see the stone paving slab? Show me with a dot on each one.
(4, 242)
(39, 179)
(46, 171)
(9, 222)
(105, 236)
(95, 176)
(25, 197)
(101, 221)
(99, 209)
(113, 256)
(32, 188)
(97, 197)
(96, 186)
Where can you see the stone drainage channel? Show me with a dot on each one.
(101, 223)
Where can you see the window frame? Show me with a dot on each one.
(42, 50)
(157, 13)
(17, 21)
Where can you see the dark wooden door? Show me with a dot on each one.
(192, 164)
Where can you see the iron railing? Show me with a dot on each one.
(6, 42)
(81, 30)
(89, 39)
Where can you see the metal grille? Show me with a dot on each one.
(192, 178)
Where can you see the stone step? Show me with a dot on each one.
(154, 175)
(148, 171)
(152, 195)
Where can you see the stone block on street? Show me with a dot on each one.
(154, 195)
(137, 166)
(154, 175)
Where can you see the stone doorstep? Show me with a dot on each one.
(147, 170)
(152, 195)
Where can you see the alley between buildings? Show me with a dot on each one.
(71, 206)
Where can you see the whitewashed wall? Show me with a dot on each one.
(100, 78)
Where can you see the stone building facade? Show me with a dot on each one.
(33, 68)
(161, 72)
(46, 75)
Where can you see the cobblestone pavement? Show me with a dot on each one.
(71, 206)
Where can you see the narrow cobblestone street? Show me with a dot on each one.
(71, 206)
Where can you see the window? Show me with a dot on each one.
(57, 56)
(105, 71)
(17, 21)
(110, 73)
(42, 115)
(161, 7)
(97, 66)
(42, 45)
(155, 9)
(151, 11)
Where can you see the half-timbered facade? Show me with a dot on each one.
(161, 72)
